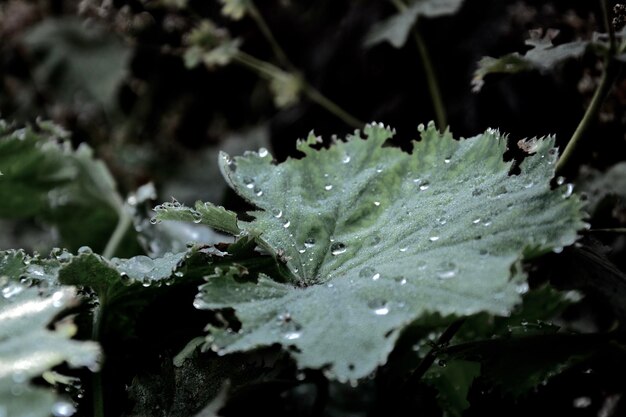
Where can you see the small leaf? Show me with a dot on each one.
(286, 88)
(373, 238)
(216, 217)
(395, 29)
(210, 45)
(543, 56)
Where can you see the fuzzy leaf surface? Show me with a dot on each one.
(374, 238)
(28, 348)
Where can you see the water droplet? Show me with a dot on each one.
(328, 187)
(447, 160)
(529, 185)
(345, 159)
(293, 335)
(581, 402)
(277, 213)
(404, 249)
(374, 240)
(379, 307)
(424, 186)
(141, 264)
(377, 203)
(154, 220)
(379, 169)
(433, 238)
(63, 409)
(421, 265)
(476, 220)
(569, 189)
(309, 243)
(248, 182)
(258, 192)
(57, 299)
(522, 288)
(287, 224)
(560, 180)
(84, 250)
(12, 290)
(421, 127)
(263, 152)
(442, 363)
(337, 248)
(447, 270)
(400, 280)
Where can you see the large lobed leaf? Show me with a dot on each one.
(374, 238)
(28, 348)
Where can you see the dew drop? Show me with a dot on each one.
(154, 220)
(248, 182)
(582, 402)
(447, 160)
(57, 299)
(277, 213)
(433, 238)
(263, 152)
(328, 187)
(84, 250)
(345, 159)
(258, 192)
(309, 243)
(522, 288)
(421, 127)
(63, 409)
(287, 224)
(11, 290)
(569, 189)
(560, 181)
(424, 186)
(377, 203)
(374, 240)
(421, 265)
(293, 335)
(476, 220)
(447, 270)
(404, 249)
(400, 280)
(379, 307)
(337, 248)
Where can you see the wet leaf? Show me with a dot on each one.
(373, 238)
(28, 348)
(452, 380)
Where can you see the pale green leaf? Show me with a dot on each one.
(396, 28)
(208, 214)
(285, 88)
(28, 348)
(78, 62)
(234, 9)
(374, 238)
(542, 56)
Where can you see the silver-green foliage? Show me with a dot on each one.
(373, 238)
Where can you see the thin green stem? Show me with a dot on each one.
(429, 72)
(265, 30)
(606, 82)
(311, 92)
(430, 357)
(615, 230)
(315, 95)
(98, 386)
(123, 223)
(269, 70)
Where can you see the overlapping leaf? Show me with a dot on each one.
(373, 238)
(45, 178)
(28, 348)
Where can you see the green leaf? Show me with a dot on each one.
(396, 28)
(234, 9)
(216, 217)
(78, 61)
(45, 178)
(210, 45)
(452, 380)
(373, 238)
(543, 56)
(28, 348)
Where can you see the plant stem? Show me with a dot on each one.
(430, 357)
(265, 30)
(311, 92)
(615, 230)
(97, 385)
(123, 223)
(606, 82)
(269, 70)
(429, 71)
